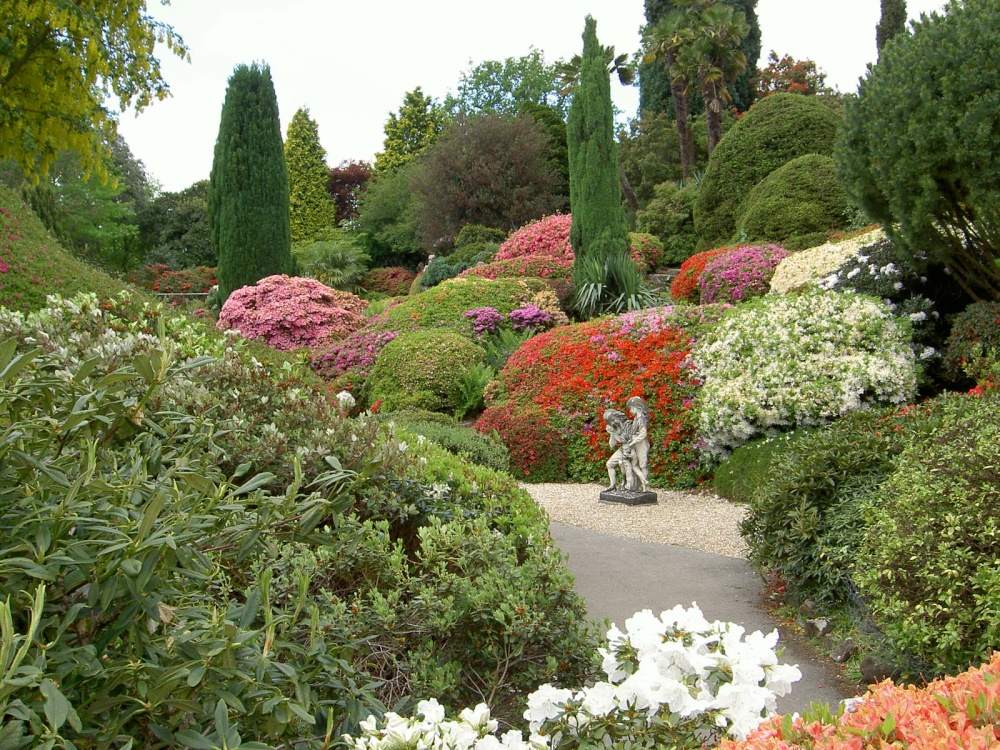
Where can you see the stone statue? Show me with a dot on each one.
(628, 437)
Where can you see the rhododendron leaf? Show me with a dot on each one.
(195, 362)
(258, 481)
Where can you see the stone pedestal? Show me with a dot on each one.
(628, 497)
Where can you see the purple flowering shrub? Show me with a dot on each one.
(484, 320)
(355, 355)
(740, 274)
(530, 318)
(289, 312)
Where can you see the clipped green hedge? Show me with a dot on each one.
(797, 205)
(774, 131)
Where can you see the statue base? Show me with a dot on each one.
(628, 497)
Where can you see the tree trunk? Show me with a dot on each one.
(713, 114)
(682, 112)
(627, 190)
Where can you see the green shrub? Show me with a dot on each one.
(748, 469)
(974, 332)
(670, 216)
(464, 442)
(474, 252)
(421, 369)
(797, 205)
(774, 131)
(441, 269)
(928, 566)
(477, 234)
(805, 521)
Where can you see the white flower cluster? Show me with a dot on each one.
(799, 360)
(674, 680)
(809, 267)
(430, 731)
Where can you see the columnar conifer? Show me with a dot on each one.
(892, 22)
(312, 208)
(248, 190)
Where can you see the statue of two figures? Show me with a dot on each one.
(628, 437)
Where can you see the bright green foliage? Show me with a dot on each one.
(892, 22)
(669, 216)
(649, 154)
(173, 229)
(386, 219)
(503, 86)
(336, 258)
(312, 209)
(797, 206)
(421, 370)
(248, 191)
(806, 519)
(747, 469)
(919, 148)
(34, 263)
(776, 130)
(61, 63)
(928, 567)
(417, 125)
(445, 431)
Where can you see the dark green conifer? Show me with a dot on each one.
(248, 191)
(892, 22)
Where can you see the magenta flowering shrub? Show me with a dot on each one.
(547, 236)
(740, 274)
(288, 312)
(355, 355)
(484, 319)
(530, 318)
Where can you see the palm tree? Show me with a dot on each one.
(710, 53)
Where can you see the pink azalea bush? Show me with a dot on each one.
(289, 312)
(547, 236)
(646, 251)
(740, 274)
(354, 355)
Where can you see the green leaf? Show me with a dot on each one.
(258, 481)
(194, 740)
(144, 367)
(196, 674)
(57, 708)
(13, 366)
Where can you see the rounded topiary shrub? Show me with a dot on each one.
(774, 131)
(547, 236)
(421, 369)
(776, 363)
(740, 274)
(797, 205)
(288, 312)
(929, 564)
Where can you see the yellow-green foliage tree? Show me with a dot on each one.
(312, 208)
(409, 132)
(60, 64)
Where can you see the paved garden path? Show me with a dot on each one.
(619, 572)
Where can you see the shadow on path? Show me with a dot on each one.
(618, 577)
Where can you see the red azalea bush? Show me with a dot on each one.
(394, 282)
(288, 312)
(684, 287)
(975, 332)
(159, 277)
(647, 251)
(740, 274)
(547, 236)
(573, 373)
(951, 712)
(537, 448)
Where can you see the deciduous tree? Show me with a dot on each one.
(501, 86)
(410, 130)
(312, 210)
(345, 185)
(792, 76)
(248, 190)
(62, 64)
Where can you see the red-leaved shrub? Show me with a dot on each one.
(537, 449)
(684, 287)
(288, 312)
(951, 712)
(395, 282)
(646, 250)
(159, 277)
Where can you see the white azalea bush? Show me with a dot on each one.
(809, 267)
(676, 680)
(783, 362)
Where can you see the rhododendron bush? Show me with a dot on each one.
(738, 275)
(952, 712)
(392, 281)
(570, 375)
(782, 362)
(547, 236)
(289, 312)
(684, 287)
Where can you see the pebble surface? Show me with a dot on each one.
(698, 520)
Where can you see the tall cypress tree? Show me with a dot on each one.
(892, 22)
(595, 193)
(312, 208)
(248, 190)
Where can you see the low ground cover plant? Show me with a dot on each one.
(289, 312)
(777, 363)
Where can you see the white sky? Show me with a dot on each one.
(351, 61)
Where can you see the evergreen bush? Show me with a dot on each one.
(669, 215)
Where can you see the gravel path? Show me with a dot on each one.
(698, 520)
